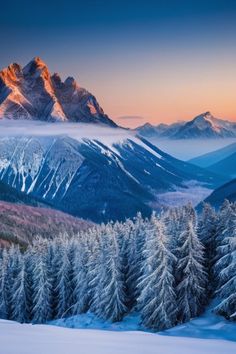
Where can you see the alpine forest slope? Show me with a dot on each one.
(204, 125)
(23, 224)
(24, 217)
(101, 179)
(227, 191)
(33, 93)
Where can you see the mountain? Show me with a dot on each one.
(206, 126)
(9, 194)
(202, 126)
(221, 161)
(32, 93)
(109, 177)
(214, 157)
(227, 191)
(22, 224)
(161, 130)
(225, 167)
(23, 217)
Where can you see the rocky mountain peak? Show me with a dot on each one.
(33, 93)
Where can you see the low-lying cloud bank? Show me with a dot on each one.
(77, 131)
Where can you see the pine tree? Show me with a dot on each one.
(11, 273)
(41, 311)
(225, 269)
(192, 275)
(81, 296)
(109, 300)
(157, 300)
(4, 303)
(207, 234)
(20, 308)
(135, 257)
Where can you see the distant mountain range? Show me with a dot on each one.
(97, 179)
(202, 126)
(32, 93)
(221, 161)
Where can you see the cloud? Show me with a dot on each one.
(78, 131)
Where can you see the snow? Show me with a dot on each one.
(16, 338)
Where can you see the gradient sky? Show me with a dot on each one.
(145, 60)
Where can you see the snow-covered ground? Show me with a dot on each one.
(86, 334)
(207, 326)
(44, 339)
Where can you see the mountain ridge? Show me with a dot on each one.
(32, 93)
(204, 126)
(96, 179)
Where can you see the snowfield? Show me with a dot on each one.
(16, 338)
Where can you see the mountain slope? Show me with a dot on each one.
(99, 178)
(9, 194)
(227, 191)
(225, 167)
(202, 126)
(23, 217)
(22, 223)
(214, 157)
(33, 93)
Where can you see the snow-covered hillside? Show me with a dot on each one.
(16, 338)
(92, 172)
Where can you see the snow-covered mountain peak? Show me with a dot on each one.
(32, 93)
(36, 65)
(205, 120)
(70, 81)
(205, 125)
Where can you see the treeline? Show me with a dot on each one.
(166, 267)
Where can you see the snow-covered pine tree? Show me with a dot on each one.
(41, 294)
(192, 275)
(95, 265)
(11, 273)
(80, 296)
(206, 231)
(62, 274)
(4, 301)
(224, 219)
(109, 300)
(19, 298)
(171, 219)
(190, 214)
(225, 270)
(157, 300)
(136, 244)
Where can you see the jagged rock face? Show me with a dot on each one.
(33, 93)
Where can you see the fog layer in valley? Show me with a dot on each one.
(186, 149)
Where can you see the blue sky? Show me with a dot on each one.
(160, 60)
